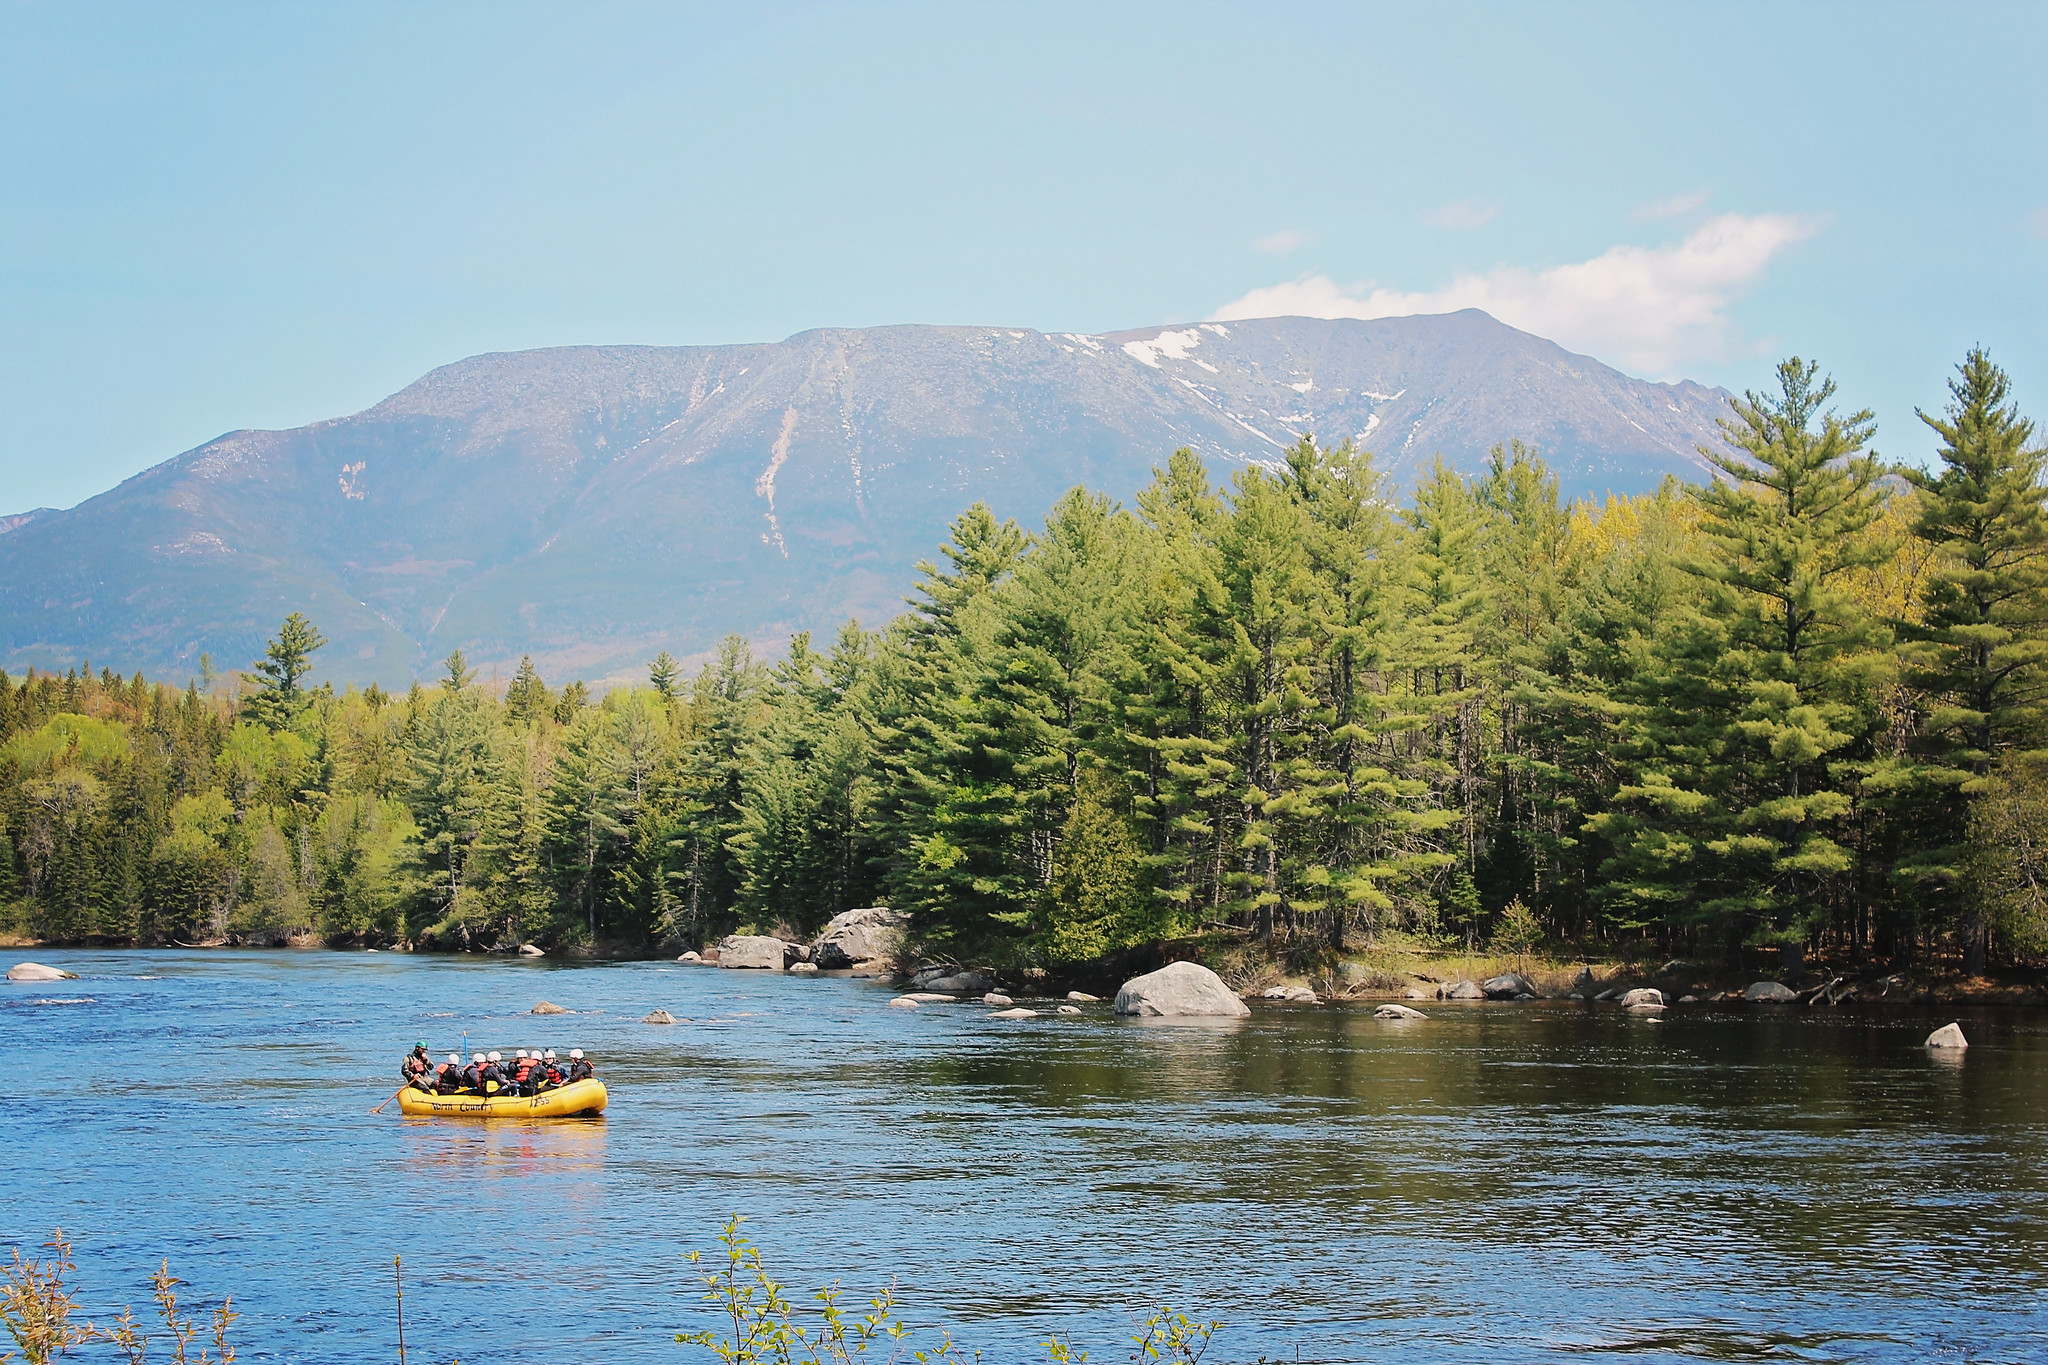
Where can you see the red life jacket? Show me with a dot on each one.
(523, 1070)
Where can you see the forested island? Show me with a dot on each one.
(1796, 708)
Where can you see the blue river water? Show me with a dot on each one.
(1500, 1183)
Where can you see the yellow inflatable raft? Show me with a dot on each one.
(577, 1097)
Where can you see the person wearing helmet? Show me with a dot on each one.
(416, 1064)
(493, 1075)
(524, 1065)
(473, 1074)
(580, 1068)
(448, 1075)
(550, 1073)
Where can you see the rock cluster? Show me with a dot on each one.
(1508, 986)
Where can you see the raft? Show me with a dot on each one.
(577, 1097)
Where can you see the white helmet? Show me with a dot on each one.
(577, 1053)
(455, 1059)
(479, 1057)
(551, 1055)
(496, 1058)
(520, 1053)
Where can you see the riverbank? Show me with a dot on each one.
(1390, 971)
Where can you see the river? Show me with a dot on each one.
(1499, 1183)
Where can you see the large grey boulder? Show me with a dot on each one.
(549, 1007)
(1397, 1012)
(859, 936)
(36, 971)
(1643, 998)
(1507, 986)
(1461, 990)
(1019, 1013)
(1180, 990)
(529, 950)
(803, 969)
(959, 983)
(1948, 1035)
(658, 1017)
(752, 952)
(1771, 993)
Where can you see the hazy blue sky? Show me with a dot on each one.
(216, 216)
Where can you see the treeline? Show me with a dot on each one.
(1799, 705)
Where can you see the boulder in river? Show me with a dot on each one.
(1948, 1035)
(658, 1017)
(863, 935)
(1179, 990)
(997, 998)
(1507, 986)
(690, 957)
(932, 998)
(550, 1007)
(1397, 1012)
(1070, 1009)
(528, 950)
(959, 983)
(803, 969)
(752, 952)
(36, 971)
(1082, 997)
(1299, 995)
(1461, 990)
(903, 1002)
(1015, 1014)
(1643, 998)
(1771, 993)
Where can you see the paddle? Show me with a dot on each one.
(394, 1095)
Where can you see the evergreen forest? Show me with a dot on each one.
(1799, 707)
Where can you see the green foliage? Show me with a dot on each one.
(768, 1329)
(66, 740)
(1782, 708)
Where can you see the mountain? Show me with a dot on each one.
(595, 504)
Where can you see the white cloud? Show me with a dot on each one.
(1649, 309)
(1281, 242)
(1677, 206)
(1462, 216)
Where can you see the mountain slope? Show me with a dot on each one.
(593, 505)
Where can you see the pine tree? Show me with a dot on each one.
(1980, 652)
(527, 700)
(1773, 690)
(665, 674)
(280, 674)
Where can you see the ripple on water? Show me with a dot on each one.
(1510, 1183)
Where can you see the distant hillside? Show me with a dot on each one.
(592, 505)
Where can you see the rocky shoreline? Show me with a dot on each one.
(869, 942)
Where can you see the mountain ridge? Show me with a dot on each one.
(590, 505)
